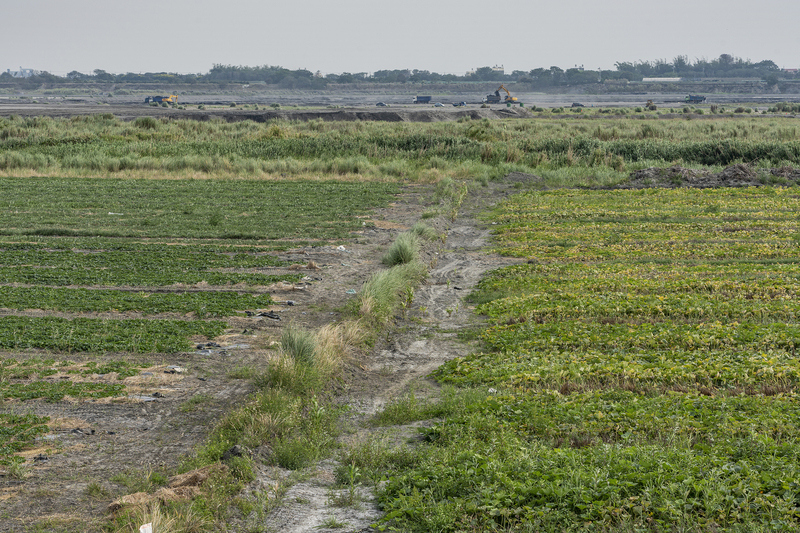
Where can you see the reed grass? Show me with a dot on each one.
(102, 144)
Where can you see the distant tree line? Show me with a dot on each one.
(725, 66)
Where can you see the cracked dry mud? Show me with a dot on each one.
(91, 442)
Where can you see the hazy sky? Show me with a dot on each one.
(446, 36)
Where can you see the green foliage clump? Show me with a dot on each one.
(146, 123)
(299, 344)
(18, 432)
(424, 231)
(405, 249)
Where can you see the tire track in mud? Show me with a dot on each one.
(422, 342)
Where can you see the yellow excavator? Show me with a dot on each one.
(495, 98)
(172, 99)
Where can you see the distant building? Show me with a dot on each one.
(22, 72)
(661, 80)
(790, 70)
(499, 70)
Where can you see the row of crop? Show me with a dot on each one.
(255, 209)
(11, 368)
(692, 367)
(81, 262)
(130, 277)
(96, 335)
(200, 304)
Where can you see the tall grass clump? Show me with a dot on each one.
(404, 249)
(383, 292)
(146, 123)
(299, 344)
(424, 231)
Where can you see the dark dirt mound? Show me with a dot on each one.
(351, 114)
(520, 177)
(739, 175)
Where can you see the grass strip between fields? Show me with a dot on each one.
(292, 411)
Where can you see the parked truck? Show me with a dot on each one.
(422, 99)
(694, 99)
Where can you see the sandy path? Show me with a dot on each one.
(423, 341)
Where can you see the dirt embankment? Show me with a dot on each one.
(406, 114)
(739, 175)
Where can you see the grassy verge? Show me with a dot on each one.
(291, 413)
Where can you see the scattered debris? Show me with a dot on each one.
(174, 369)
(233, 451)
(350, 291)
(269, 314)
(311, 265)
(203, 346)
(141, 398)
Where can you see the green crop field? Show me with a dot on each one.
(183, 255)
(639, 371)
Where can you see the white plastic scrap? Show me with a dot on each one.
(147, 528)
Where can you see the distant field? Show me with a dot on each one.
(645, 368)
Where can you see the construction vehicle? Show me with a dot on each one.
(495, 98)
(422, 99)
(694, 99)
(171, 99)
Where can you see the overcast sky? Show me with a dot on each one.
(446, 36)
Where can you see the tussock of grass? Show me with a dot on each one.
(382, 292)
(404, 249)
(299, 344)
(424, 231)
